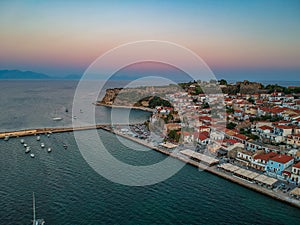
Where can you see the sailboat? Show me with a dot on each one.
(36, 221)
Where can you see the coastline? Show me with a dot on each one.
(216, 171)
(125, 107)
(213, 169)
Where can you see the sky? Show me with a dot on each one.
(255, 40)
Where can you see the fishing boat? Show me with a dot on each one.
(49, 150)
(42, 145)
(27, 150)
(25, 145)
(32, 155)
(22, 141)
(38, 138)
(65, 146)
(36, 221)
(6, 138)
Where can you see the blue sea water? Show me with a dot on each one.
(69, 191)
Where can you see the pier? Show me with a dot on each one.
(29, 132)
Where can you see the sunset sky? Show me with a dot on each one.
(255, 40)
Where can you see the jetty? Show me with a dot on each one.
(29, 132)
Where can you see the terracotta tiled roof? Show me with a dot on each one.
(265, 156)
(282, 158)
(297, 165)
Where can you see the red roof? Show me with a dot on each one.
(297, 165)
(265, 127)
(282, 158)
(231, 141)
(202, 137)
(265, 156)
(284, 127)
(204, 118)
(241, 136)
(203, 127)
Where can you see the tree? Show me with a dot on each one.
(231, 126)
(251, 100)
(222, 82)
(173, 135)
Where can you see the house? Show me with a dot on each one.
(253, 146)
(171, 126)
(244, 157)
(264, 129)
(240, 138)
(279, 163)
(202, 137)
(186, 136)
(295, 176)
(283, 130)
(293, 140)
(272, 138)
(203, 128)
(259, 161)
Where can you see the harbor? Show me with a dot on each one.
(212, 166)
(215, 170)
(60, 171)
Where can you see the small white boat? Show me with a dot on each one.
(49, 150)
(6, 138)
(48, 135)
(36, 221)
(25, 145)
(57, 118)
(27, 150)
(22, 141)
(42, 145)
(38, 138)
(32, 155)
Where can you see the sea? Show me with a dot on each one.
(69, 191)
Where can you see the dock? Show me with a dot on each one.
(29, 132)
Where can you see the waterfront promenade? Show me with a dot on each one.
(212, 169)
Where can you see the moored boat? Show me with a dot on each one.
(57, 119)
(27, 150)
(32, 155)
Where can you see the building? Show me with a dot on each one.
(279, 163)
(293, 140)
(283, 130)
(245, 157)
(264, 129)
(295, 176)
(259, 161)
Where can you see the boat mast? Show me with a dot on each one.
(33, 206)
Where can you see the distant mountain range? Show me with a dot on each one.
(30, 75)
